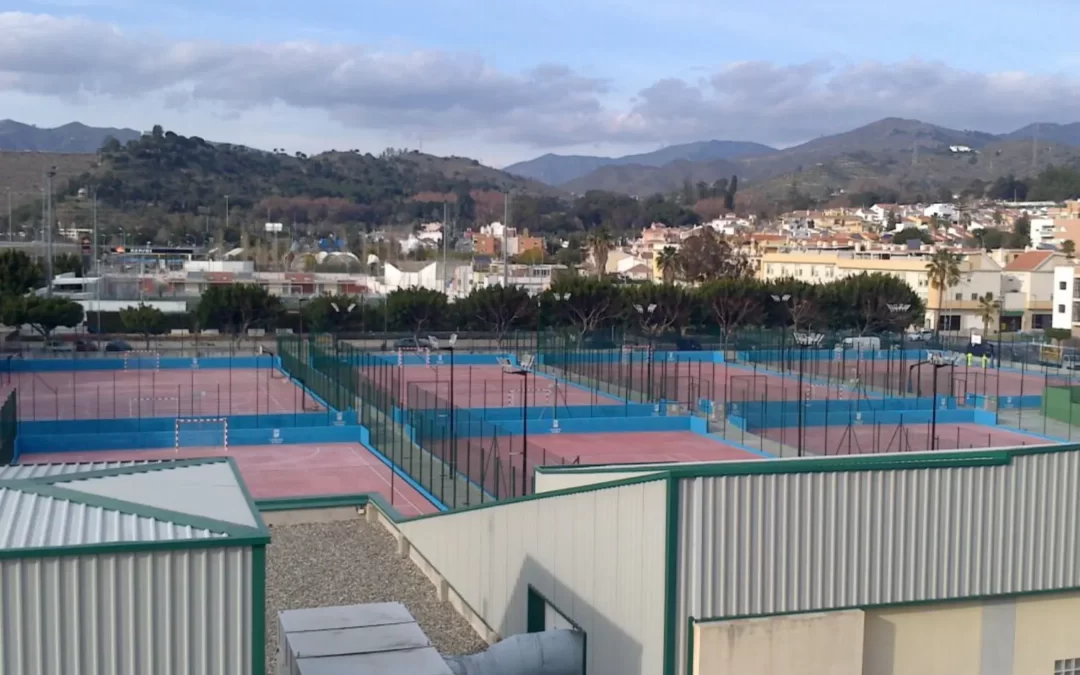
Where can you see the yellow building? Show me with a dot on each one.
(959, 305)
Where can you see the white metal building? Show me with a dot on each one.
(949, 562)
(129, 569)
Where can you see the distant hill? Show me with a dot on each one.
(1065, 134)
(559, 169)
(892, 152)
(70, 138)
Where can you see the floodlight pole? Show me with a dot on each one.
(933, 413)
(453, 411)
(900, 308)
(643, 312)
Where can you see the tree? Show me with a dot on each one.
(1068, 247)
(1058, 335)
(333, 313)
(592, 303)
(1021, 234)
(706, 255)
(497, 309)
(19, 273)
(667, 263)
(144, 320)
(912, 233)
(68, 263)
(672, 308)
(869, 303)
(236, 308)
(944, 271)
(729, 195)
(600, 243)
(416, 309)
(734, 303)
(44, 315)
(988, 310)
(532, 256)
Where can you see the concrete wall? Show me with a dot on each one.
(821, 644)
(1008, 636)
(548, 482)
(598, 556)
(184, 612)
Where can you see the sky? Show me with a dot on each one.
(504, 81)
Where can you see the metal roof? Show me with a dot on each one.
(100, 507)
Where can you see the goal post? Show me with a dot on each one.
(138, 359)
(202, 432)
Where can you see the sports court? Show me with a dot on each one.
(504, 465)
(276, 471)
(858, 439)
(489, 386)
(121, 394)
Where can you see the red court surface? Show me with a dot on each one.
(119, 394)
(859, 439)
(275, 471)
(638, 447)
(901, 377)
(489, 386)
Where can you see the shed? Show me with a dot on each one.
(131, 568)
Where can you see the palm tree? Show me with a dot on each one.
(667, 261)
(600, 243)
(988, 309)
(944, 271)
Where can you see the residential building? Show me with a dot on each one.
(958, 306)
(1028, 290)
(1066, 302)
(533, 278)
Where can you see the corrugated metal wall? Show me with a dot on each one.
(765, 544)
(127, 614)
(598, 556)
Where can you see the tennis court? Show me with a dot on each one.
(857, 439)
(277, 471)
(489, 386)
(121, 394)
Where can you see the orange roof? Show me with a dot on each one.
(1026, 262)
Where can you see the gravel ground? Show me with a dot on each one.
(353, 562)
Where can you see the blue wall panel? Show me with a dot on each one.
(143, 363)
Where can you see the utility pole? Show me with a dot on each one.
(10, 222)
(49, 175)
(97, 269)
(446, 286)
(226, 213)
(506, 237)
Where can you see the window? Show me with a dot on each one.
(989, 296)
(1067, 667)
(1061, 309)
(1062, 285)
(974, 296)
(959, 296)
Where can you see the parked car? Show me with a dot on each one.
(118, 346)
(687, 344)
(59, 346)
(920, 335)
(412, 343)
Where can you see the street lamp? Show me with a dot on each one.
(898, 308)
(434, 342)
(804, 340)
(562, 297)
(784, 299)
(937, 360)
(645, 314)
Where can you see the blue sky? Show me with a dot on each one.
(461, 76)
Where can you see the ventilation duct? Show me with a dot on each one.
(555, 652)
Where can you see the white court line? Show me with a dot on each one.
(288, 463)
(386, 480)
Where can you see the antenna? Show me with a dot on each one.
(914, 153)
(1035, 149)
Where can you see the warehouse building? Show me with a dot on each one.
(949, 562)
(129, 569)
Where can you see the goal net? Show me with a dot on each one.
(142, 359)
(628, 352)
(202, 432)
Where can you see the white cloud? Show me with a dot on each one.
(459, 98)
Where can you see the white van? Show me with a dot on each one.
(860, 344)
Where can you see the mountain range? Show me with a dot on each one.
(901, 154)
(69, 138)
